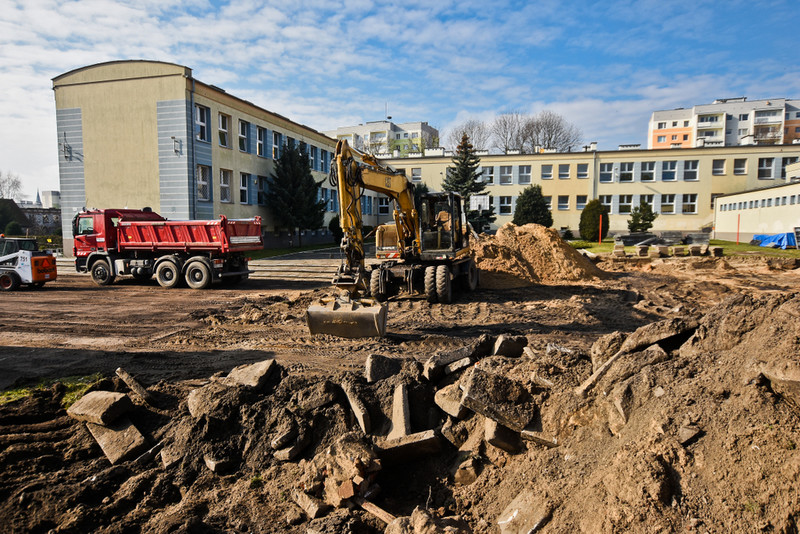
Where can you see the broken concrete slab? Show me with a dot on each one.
(539, 437)
(455, 432)
(502, 437)
(413, 445)
(401, 413)
(171, 456)
(449, 400)
(357, 406)
(509, 346)
(218, 465)
(316, 396)
(311, 506)
(293, 451)
(605, 347)
(457, 366)
(135, 387)
(254, 375)
(119, 441)
(784, 378)
(528, 512)
(434, 367)
(378, 367)
(499, 398)
(209, 401)
(284, 435)
(100, 407)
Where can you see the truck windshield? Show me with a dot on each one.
(27, 245)
(85, 225)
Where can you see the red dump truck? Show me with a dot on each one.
(141, 243)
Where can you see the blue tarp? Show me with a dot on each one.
(781, 240)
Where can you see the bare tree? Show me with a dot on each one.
(477, 131)
(507, 131)
(10, 185)
(550, 130)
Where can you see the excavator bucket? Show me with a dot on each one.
(347, 318)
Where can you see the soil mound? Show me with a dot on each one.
(519, 256)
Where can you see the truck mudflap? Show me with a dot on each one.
(347, 318)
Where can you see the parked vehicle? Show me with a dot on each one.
(21, 262)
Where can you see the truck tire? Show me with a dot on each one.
(472, 276)
(198, 275)
(168, 275)
(430, 283)
(101, 273)
(9, 281)
(375, 285)
(444, 286)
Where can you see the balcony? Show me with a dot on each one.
(767, 120)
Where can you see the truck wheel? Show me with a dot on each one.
(375, 285)
(198, 275)
(444, 286)
(167, 275)
(9, 281)
(430, 283)
(471, 278)
(101, 273)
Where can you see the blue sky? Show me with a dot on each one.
(605, 66)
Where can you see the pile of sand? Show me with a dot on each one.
(519, 256)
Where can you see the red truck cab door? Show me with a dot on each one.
(88, 234)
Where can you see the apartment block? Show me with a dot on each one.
(680, 184)
(726, 122)
(387, 139)
(147, 133)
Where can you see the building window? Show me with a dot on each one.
(244, 131)
(505, 205)
(647, 199)
(548, 200)
(583, 170)
(685, 124)
(690, 170)
(606, 172)
(505, 175)
(225, 185)
(262, 190)
(743, 116)
(563, 202)
(580, 202)
(661, 139)
(488, 175)
(563, 171)
(674, 137)
(667, 204)
(312, 158)
(765, 168)
(203, 187)
(625, 203)
(201, 114)
(605, 200)
(668, 170)
(685, 137)
(547, 172)
(276, 145)
(366, 205)
(524, 174)
(689, 204)
(785, 162)
(416, 174)
(244, 180)
(383, 203)
(261, 134)
(792, 200)
(648, 171)
(740, 166)
(224, 126)
(626, 172)
(661, 125)
(718, 167)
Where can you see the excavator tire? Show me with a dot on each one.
(472, 276)
(430, 283)
(375, 286)
(444, 286)
(9, 281)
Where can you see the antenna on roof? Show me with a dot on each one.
(386, 114)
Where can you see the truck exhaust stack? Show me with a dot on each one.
(347, 318)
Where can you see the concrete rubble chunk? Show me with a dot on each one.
(466, 472)
(499, 398)
(509, 346)
(411, 446)
(379, 367)
(434, 367)
(311, 506)
(100, 407)
(502, 437)
(449, 400)
(207, 401)
(528, 512)
(316, 396)
(784, 378)
(688, 434)
(119, 441)
(293, 451)
(357, 406)
(605, 347)
(284, 435)
(219, 465)
(622, 398)
(136, 388)
(254, 375)
(457, 366)
(641, 250)
(695, 250)
(533, 432)
(171, 456)
(715, 251)
(401, 413)
(455, 432)
(422, 521)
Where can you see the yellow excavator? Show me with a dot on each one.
(425, 251)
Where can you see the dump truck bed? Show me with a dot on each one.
(215, 236)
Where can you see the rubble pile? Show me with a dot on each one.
(518, 256)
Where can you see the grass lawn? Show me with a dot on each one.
(729, 248)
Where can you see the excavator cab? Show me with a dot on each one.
(442, 226)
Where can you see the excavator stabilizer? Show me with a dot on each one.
(347, 318)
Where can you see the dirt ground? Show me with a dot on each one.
(739, 473)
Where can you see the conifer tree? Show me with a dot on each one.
(589, 227)
(532, 208)
(293, 194)
(464, 178)
(642, 217)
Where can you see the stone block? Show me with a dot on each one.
(510, 346)
(434, 367)
(619, 253)
(284, 435)
(357, 405)
(218, 465)
(449, 400)
(688, 434)
(678, 251)
(119, 441)
(715, 251)
(100, 407)
(411, 446)
(208, 401)
(379, 367)
(528, 512)
(171, 456)
(311, 506)
(695, 250)
(499, 398)
(293, 451)
(401, 413)
(704, 249)
(457, 366)
(641, 250)
(539, 437)
(502, 437)
(254, 375)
